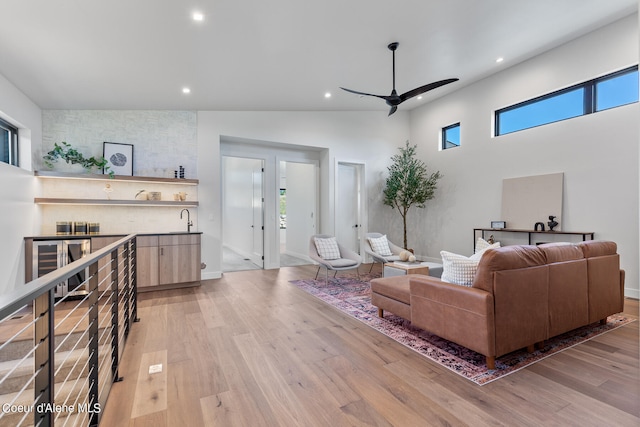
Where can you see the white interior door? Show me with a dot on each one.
(257, 207)
(301, 195)
(348, 200)
(243, 208)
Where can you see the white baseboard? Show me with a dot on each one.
(211, 275)
(298, 255)
(632, 293)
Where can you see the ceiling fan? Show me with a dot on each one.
(394, 99)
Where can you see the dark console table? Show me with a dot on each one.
(481, 232)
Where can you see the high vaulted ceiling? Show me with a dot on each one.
(272, 55)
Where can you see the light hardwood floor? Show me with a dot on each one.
(251, 349)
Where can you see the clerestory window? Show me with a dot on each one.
(451, 136)
(613, 90)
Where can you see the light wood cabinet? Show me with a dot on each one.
(147, 261)
(179, 258)
(166, 260)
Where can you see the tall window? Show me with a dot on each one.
(612, 90)
(451, 136)
(8, 143)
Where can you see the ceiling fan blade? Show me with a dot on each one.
(362, 93)
(422, 89)
(394, 100)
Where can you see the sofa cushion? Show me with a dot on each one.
(327, 247)
(506, 258)
(594, 248)
(561, 251)
(380, 245)
(394, 287)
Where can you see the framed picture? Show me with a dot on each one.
(119, 157)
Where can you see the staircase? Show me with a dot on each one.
(83, 362)
(71, 380)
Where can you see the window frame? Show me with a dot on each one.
(12, 146)
(589, 100)
(443, 136)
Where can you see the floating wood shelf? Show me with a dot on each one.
(100, 177)
(65, 201)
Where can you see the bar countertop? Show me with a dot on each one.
(89, 236)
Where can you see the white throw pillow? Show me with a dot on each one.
(380, 245)
(482, 244)
(327, 247)
(458, 269)
(461, 270)
(480, 252)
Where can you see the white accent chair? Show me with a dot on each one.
(395, 251)
(348, 259)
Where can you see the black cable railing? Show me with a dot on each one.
(59, 357)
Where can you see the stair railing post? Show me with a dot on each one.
(134, 287)
(94, 368)
(126, 290)
(44, 333)
(115, 314)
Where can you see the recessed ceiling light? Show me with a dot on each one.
(419, 97)
(327, 95)
(186, 90)
(198, 16)
(499, 60)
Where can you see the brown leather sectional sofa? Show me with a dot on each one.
(521, 296)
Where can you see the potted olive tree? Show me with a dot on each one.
(408, 183)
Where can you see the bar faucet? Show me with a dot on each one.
(189, 223)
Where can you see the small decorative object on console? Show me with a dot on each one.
(552, 222)
(498, 225)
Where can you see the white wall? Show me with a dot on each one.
(17, 211)
(598, 153)
(361, 137)
(162, 140)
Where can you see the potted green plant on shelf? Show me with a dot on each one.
(71, 155)
(408, 183)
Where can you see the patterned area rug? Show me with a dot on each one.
(352, 296)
